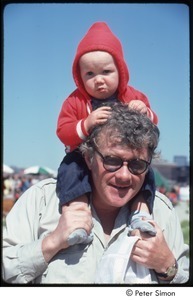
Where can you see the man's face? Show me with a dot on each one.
(117, 188)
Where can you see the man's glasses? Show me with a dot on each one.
(113, 163)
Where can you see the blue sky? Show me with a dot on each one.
(40, 42)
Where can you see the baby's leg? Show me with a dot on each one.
(140, 216)
(79, 236)
(73, 185)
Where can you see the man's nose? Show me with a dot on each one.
(123, 174)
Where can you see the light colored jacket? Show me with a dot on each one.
(36, 214)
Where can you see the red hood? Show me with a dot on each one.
(100, 38)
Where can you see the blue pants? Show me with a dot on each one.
(74, 180)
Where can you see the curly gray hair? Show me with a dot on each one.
(124, 127)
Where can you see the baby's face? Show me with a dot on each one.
(99, 74)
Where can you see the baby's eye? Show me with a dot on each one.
(106, 71)
(89, 73)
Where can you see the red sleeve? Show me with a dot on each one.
(133, 94)
(70, 126)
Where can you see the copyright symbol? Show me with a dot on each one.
(129, 292)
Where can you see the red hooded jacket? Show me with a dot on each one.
(75, 109)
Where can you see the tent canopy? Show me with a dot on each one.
(7, 169)
(39, 170)
(160, 180)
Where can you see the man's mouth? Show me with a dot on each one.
(120, 188)
(120, 191)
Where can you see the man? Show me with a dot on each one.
(118, 154)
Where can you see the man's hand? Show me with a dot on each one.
(96, 117)
(76, 215)
(138, 105)
(152, 252)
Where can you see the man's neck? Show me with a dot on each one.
(107, 216)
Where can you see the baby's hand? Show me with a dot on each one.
(138, 105)
(98, 116)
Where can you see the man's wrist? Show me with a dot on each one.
(170, 273)
(50, 246)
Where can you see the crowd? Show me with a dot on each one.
(174, 194)
(15, 185)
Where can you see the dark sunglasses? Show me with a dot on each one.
(113, 163)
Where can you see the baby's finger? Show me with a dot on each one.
(104, 108)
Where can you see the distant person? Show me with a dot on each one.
(25, 184)
(35, 238)
(172, 195)
(162, 189)
(101, 76)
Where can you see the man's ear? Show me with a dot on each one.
(88, 160)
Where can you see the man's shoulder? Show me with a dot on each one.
(163, 210)
(45, 191)
(49, 182)
(162, 200)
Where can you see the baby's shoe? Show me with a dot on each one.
(79, 236)
(137, 222)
